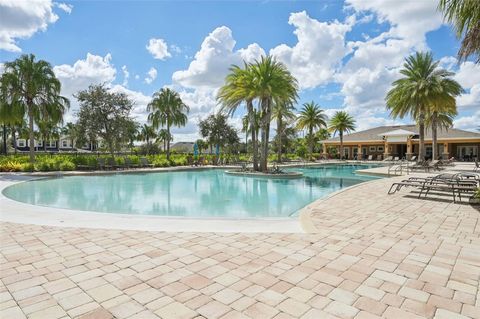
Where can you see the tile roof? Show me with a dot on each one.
(374, 134)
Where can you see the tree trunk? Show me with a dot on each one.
(14, 137)
(265, 134)
(254, 135)
(5, 139)
(341, 145)
(279, 133)
(30, 135)
(310, 142)
(421, 133)
(168, 141)
(434, 136)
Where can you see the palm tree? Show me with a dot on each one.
(11, 115)
(33, 84)
(167, 108)
(239, 88)
(273, 84)
(444, 110)
(311, 117)
(247, 127)
(147, 133)
(283, 114)
(341, 122)
(414, 93)
(69, 130)
(465, 17)
(163, 136)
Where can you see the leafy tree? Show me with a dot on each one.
(464, 15)
(201, 145)
(164, 136)
(33, 86)
(216, 130)
(283, 114)
(341, 122)
(247, 127)
(47, 130)
(418, 89)
(167, 108)
(287, 138)
(311, 118)
(105, 115)
(70, 130)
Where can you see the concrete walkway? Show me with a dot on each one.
(370, 255)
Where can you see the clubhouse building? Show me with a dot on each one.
(402, 141)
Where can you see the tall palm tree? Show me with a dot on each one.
(311, 117)
(147, 133)
(418, 89)
(464, 15)
(11, 113)
(167, 108)
(33, 84)
(239, 88)
(341, 122)
(70, 131)
(274, 84)
(247, 127)
(163, 136)
(283, 114)
(444, 109)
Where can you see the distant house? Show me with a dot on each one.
(182, 147)
(64, 144)
(403, 140)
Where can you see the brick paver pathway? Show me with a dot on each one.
(372, 256)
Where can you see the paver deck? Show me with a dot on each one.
(372, 255)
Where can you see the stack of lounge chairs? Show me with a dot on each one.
(455, 184)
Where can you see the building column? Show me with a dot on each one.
(446, 151)
(386, 151)
(359, 152)
(325, 154)
(409, 148)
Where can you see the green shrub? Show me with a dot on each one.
(28, 167)
(67, 166)
(10, 166)
(477, 193)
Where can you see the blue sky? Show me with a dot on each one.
(344, 54)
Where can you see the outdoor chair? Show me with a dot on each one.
(370, 157)
(388, 158)
(144, 162)
(379, 157)
(129, 164)
(454, 184)
(477, 166)
(113, 164)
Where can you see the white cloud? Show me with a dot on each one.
(319, 50)
(151, 75)
(65, 7)
(158, 48)
(126, 75)
(468, 122)
(22, 19)
(468, 75)
(409, 20)
(369, 72)
(94, 69)
(211, 62)
(175, 48)
(139, 111)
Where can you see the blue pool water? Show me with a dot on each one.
(200, 193)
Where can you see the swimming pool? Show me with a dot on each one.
(209, 193)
